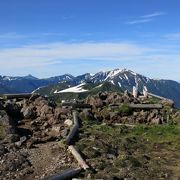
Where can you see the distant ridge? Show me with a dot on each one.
(121, 78)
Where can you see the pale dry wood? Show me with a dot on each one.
(146, 106)
(78, 157)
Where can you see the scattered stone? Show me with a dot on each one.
(64, 133)
(155, 121)
(68, 122)
(29, 113)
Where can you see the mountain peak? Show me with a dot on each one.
(29, 76)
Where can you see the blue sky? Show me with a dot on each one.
(52, 37)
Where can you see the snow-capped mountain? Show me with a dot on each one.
(121, 78)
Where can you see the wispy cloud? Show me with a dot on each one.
(153, 15)
(145, 18)
(55, 57)
(44, 54)
(138, 21)
(173, 36)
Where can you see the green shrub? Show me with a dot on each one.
(125, 109)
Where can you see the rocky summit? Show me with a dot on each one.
(33, 131)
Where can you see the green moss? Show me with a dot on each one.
(158, 133)
(153, 100)
(140, 152)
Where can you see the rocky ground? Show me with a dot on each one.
(31, 132)
(29, 139)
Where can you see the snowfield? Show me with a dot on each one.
(75, 89)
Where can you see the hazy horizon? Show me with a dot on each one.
(75, 75)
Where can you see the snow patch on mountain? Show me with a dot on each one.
(126, 76)
(112, 82)
(38, 89)
(113, 73)
(133, 73)
(99, 86)
(75, 89)
(119, 84)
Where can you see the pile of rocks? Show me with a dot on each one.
(38, 120)
(26, 123)
(106, 99)
(111, 108)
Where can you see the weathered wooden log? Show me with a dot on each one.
(18, 96)
(67, 174)
(78, 157)
(146, 106)
(76, 105)
(121, 124)
(159, 97)
(73, 130)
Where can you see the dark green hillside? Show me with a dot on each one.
(91, 87)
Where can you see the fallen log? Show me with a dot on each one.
(67, 174)
(18, 96)
(146, 106)
(159, 97)
(73, 130)
(78, 157)
(121, 124)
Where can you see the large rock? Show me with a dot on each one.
(55, 131)
(114, 98)
(12, 108)
(61, 114)
(1, 106)
(46, 110)
(29, 113)
(95, 101)
(102, 96)
(156, 121)
(169, 103)
(4, 118)
(3, 150)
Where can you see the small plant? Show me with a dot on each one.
(125, 109)
(153, 100)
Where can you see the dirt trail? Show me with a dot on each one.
(48, 159)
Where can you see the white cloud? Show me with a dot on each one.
(145, 18)
(138, 21)
(39, 58)
(153, 15)
(44, 54)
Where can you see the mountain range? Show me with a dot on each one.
(116, 79)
